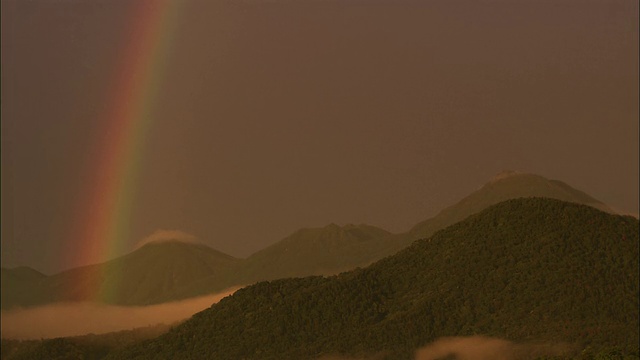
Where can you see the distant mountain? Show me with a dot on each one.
(156, 272)
(319, 251)
(332, 249)
(505, 186)
(21, 276)
(20, 286)
(312, 251)
(21, 273)
(526, 270)
(164, 271)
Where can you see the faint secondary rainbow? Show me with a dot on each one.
(103, 219)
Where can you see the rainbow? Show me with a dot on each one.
(102, 221)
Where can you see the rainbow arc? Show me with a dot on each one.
(102, 223)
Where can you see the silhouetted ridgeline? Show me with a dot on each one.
(86, 347)
(526, 270)
(172, 270)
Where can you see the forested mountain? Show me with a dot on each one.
(172, 271)
(86, 347)
(504, 186)
(329, 250)
(534, 269)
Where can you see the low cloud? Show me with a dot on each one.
(476, 348)
(71, 319)
(162, 235)
(486, 348)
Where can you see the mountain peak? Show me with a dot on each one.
(505, 186)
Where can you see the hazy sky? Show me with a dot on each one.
(281, 114)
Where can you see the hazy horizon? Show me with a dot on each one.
(270, 116)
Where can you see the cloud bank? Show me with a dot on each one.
(72, 319)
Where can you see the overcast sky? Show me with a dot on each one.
(276, 115)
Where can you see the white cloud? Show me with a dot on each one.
(162, 235)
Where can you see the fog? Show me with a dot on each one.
(71, 319)
(476, 348)
(486, 348)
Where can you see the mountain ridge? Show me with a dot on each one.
(504, 186)
(309, 251)
(153, 273)
(529, 270)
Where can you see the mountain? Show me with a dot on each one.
(528, 270)
(154, 273)
(21, 273)
(20, 285)
(89, 346)
(165, 271)
(311, 251)
(332, 249)
(504, 186)
(157, 272)
(319, 251)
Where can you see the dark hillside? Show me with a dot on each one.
(161, 272)
(20, 286)
(86, 347)
(505, 186)
(524, 270)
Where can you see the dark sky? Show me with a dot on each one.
(276, 115)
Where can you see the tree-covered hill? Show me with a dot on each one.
(504, 186)
(524, 270)
(85, 347)
(329, 250)
(168, 272)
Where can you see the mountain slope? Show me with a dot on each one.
(155, 273)
(312, 251)
(504, 186)
(20, 285)
(21, 273)
(329, 250)
(524, 270)
(319, 251)
(89, 346)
